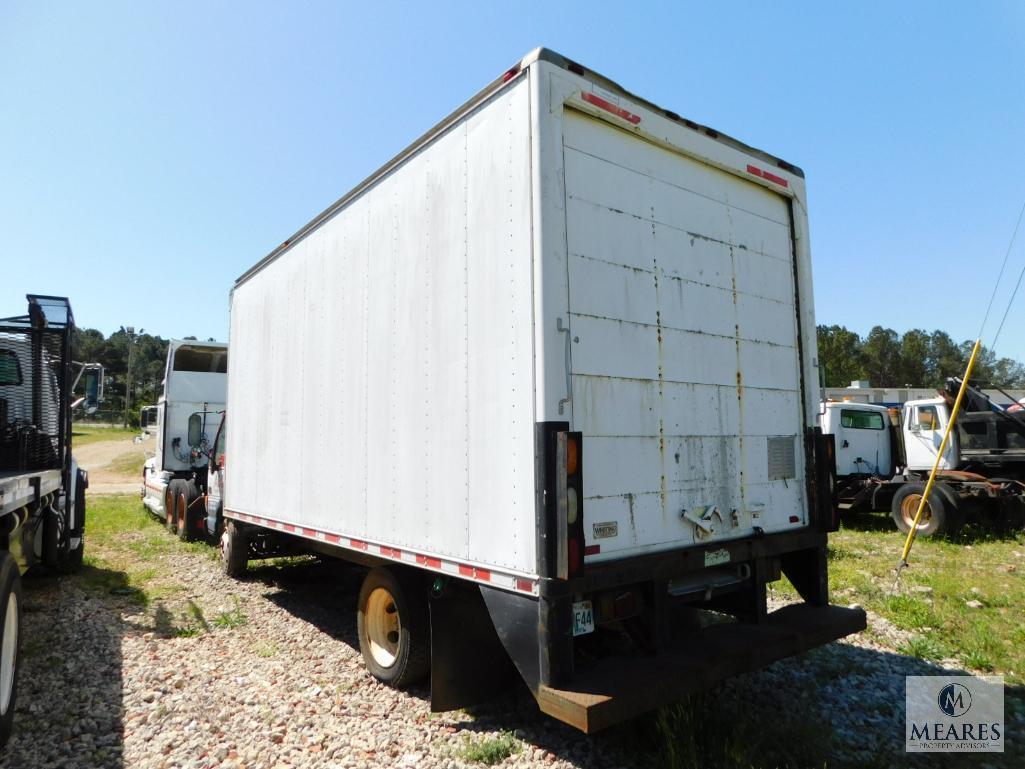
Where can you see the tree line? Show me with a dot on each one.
(917, 358)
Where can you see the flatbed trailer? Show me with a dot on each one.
(42, 489)
(550, 375)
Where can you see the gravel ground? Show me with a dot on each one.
(277, 681)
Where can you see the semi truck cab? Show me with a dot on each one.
(184, 423)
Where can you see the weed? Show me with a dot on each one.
(922, 647)
(711, 730)
(910, 613)
(232, 618)
(489, 750)
(266, 651)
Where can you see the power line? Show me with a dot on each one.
(996, 285)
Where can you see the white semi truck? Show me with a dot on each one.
(884, 457)
(550, 375)
(42, 489)
(183, 423)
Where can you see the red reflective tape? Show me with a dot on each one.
(465, 571)
(426, 560)
(525, 585)
(333, 539)
(599, 102)
(359, 544)
(770, 177)
(592, 550)
(390, 552)
(483, 574)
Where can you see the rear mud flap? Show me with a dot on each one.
(469, 664)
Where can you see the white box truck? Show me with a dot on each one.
(550, 373)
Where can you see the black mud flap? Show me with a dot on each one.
(469, 664)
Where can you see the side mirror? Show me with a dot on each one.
(93, 380)
(195, 430)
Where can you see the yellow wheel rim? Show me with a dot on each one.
(908, 509)
(382, 627)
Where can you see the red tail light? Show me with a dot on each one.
(569, 457)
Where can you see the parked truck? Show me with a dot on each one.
(42, 489)
(884, 457)
(183, 423)
(550, 375)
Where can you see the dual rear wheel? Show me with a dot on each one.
(182, 509)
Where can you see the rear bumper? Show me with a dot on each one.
(616, 689)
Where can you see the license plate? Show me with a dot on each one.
(583, 618)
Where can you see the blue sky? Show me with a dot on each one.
(151, 152)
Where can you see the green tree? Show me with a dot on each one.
(882, 354)
(839, 355)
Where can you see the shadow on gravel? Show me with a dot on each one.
(69, 711)
(837, 706)
(321, 592)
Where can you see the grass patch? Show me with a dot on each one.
(983, 566)
(716, 730)
(488, 750)
(84, 434)
(923, 647)
(232, 618)
(910, 613)
(127, 552)
(265, 650)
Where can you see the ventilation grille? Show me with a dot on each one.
(781, 458)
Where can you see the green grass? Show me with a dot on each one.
(125, 557)
(931, 601)
(231, 618)
(84, 434)
(488, 750)
(720, 730)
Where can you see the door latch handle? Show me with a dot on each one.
(569, 377)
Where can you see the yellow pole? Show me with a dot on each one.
(939, 455)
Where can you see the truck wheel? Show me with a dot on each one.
(185, 514)
(234, 547)
(392, 625)
(10, 642)
(941, 514)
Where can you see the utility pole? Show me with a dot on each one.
(130, 331)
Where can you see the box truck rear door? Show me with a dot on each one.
(684, 357)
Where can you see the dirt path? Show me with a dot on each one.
(114, 467)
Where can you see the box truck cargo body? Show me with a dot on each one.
(559, 354)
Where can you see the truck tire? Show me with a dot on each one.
(234, 547)
(186, 512)
(393, 626)
(941, 516)
(10, 641)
